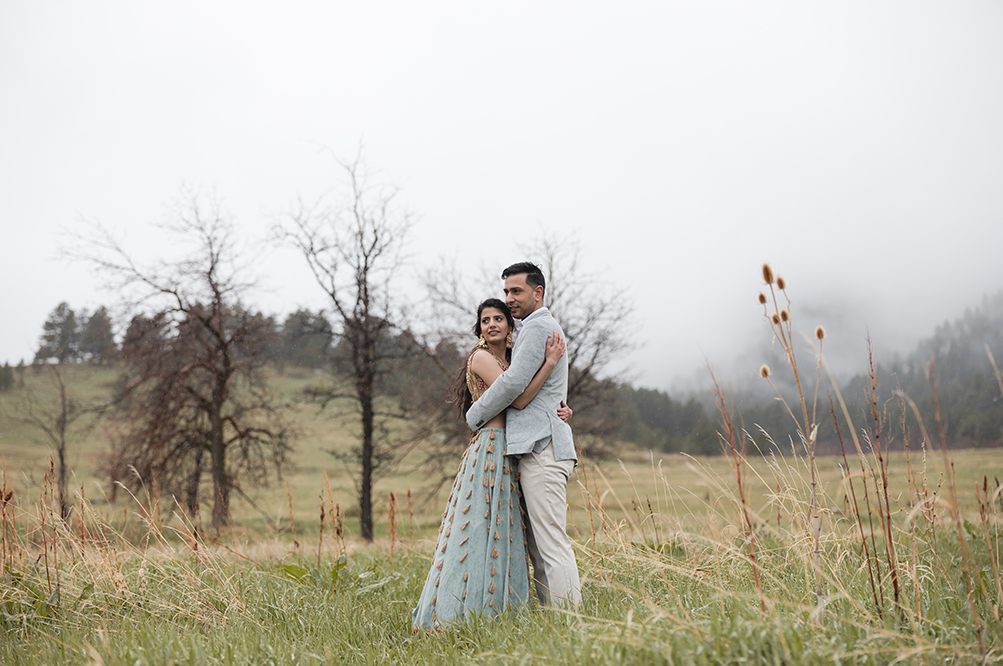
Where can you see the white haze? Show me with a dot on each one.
(857, 146)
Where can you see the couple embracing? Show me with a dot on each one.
(509, 496)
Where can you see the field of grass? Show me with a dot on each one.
(662, 546)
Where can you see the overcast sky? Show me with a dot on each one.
(857, 146)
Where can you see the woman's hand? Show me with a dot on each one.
(564, 412)
(555, 349)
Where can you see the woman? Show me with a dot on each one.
(479, 564)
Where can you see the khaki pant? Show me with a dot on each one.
(544, 491)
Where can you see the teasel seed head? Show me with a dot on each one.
(762, 298)
(819, 333)
(764, 371)
(785, 315)
(767, 274)
(775, 319)
(781, 283)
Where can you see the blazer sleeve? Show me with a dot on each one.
(529, 356)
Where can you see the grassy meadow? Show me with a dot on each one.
(662, 542)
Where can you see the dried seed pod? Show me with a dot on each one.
(764, 371)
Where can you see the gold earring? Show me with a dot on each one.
(481, 341)
(508, 341)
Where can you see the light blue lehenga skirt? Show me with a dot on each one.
(479, 566)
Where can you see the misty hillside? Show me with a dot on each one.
(969, 392)
(968, 387)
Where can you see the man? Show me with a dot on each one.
(538, 435)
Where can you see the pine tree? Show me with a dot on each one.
(60, 336)
(6, 377)
(97, 342)
(306, 339)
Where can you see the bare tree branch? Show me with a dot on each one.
(193, 357)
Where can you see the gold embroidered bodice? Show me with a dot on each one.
(477, 385)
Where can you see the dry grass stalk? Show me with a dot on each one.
(55, 518)
(292, 515)
(154, 511)
(654, 522)
(781, 324)
(640, 518)
(41, 516)
(884, 512)
(991, 543)
(8, 538)
(410, 521)
(927, 500)
(330, 507)
(320, 537)
(82, 535)
(730, 437)
(339, 530)
(603, 523)
(392, 524)
(864, 467)
(588, 499)
(913, 496)
(777, 492)
(962, 542)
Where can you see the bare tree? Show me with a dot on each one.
(193, 384)
(60, 417)
(597, 318)
(354, 250)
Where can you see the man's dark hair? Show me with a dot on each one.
(534, 276)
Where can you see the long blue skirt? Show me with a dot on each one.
(479, 566)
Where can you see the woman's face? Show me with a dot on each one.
(494, 325)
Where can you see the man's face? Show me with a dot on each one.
(520, 297)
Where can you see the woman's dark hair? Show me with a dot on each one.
(458, 391)
(497, 304)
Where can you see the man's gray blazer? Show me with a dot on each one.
(538, 422)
